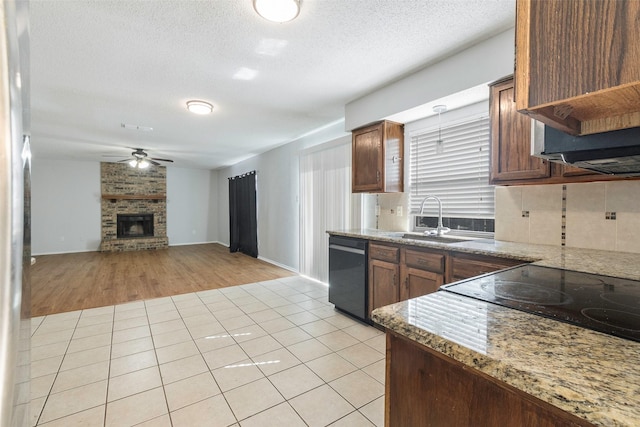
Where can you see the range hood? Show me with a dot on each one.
(614, 153)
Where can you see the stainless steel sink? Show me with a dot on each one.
(431, 238)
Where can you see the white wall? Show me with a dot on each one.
(65, 206)
(482, 63)
(65, 214)
(278, 196)
(189, 206)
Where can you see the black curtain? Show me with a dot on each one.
(243, 219)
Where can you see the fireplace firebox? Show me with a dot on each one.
(135, 225)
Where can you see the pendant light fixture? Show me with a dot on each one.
(277, 10)
(439, 142)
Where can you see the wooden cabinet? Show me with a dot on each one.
(383, 283)
(421, 272)
(511, 159)
(463, 266)
(377, 165)
(384, 275)
(577, 63)
(397, 273)
(425, 388)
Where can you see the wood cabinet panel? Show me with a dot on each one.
(384, 252)
(577, 63)
(424, 260)
(383, 283)
(427, 389)
(511, 139)
(463, 266)
(377, 151)
(417, 282)
(367, 159)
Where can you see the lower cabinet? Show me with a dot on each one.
(421, 272)
(401, 272)
(397, 273)
(426, 388)
(464, 266)
(383, 283)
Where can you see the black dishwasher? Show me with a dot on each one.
(348, 275)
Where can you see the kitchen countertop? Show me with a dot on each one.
(589, 374)
(608, 263)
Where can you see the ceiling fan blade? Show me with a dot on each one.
(152, 162)
(112, 155)
(124, 160)
(162, 160)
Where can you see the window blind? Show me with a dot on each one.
(457, 173)
(325, 204)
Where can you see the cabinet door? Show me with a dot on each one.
(578, 67)
(511, 140)
(368, 159)
(383, 283)
(416, 282)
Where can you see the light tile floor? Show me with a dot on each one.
(266, 354)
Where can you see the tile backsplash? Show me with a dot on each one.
(594, 215)
(389, 218)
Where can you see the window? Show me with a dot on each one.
(456, 170)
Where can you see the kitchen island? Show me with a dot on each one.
(512, 364)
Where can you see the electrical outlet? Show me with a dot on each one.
(399, 210)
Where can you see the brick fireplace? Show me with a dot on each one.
(134, 207)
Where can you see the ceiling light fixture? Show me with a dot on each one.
(199, 107)
(139, 163)
(277, 10)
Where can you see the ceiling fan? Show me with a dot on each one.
(140, 159)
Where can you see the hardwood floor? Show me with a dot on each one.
(69, 282)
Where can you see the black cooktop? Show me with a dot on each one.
(601, 303)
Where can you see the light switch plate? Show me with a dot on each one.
(399, 210)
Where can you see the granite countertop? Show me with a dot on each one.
(589, 374)
(609, 263)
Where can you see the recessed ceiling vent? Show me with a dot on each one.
(136, 127)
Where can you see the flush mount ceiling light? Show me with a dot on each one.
(199, 107)
(277, 10)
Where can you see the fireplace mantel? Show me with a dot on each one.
(134, 196)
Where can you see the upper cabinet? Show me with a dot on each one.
(578, 63)
(377, 158)
(511, 158)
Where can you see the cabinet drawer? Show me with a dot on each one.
(466, 267)
(424, 260)
(383, 252)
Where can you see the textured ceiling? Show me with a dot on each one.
(96, 64)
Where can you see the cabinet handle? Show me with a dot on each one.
(406, 283)
(394, 280)
(378, 176)
(422, 261)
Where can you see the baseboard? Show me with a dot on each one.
(62, 253)
(277, 264)
(191, 243)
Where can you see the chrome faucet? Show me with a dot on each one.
(440, 230)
